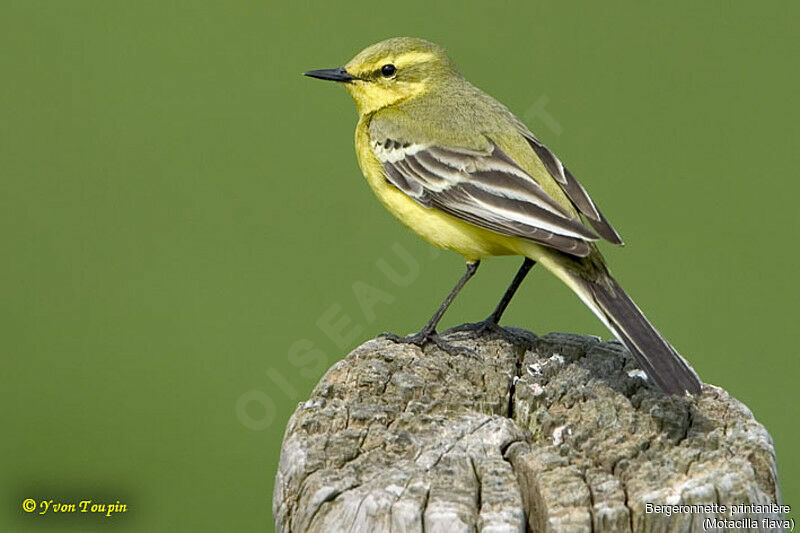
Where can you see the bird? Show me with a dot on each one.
(461, 171)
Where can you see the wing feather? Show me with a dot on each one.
(574, 190)
(486, 188)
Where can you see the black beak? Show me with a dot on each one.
(332, 74)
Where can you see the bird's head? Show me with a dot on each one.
(390, 72)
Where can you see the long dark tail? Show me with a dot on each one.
(662, 363)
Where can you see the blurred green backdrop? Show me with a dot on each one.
(182, 215)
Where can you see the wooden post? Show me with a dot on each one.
(554, 433)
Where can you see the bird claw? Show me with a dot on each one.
(488, 328)
(417, 339)
(422, 338)
(484, 327)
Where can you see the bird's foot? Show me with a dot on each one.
(484, 327)
(423, 337)
(488, 328)
(418, 339)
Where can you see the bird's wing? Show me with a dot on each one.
(571, 187)
(482, 186)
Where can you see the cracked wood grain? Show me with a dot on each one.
(552, 433)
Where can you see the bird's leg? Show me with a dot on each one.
(491, 323)
(428, 333)
(494, 318)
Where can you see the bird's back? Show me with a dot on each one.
(467, 117)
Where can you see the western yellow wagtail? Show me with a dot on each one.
(460, 170)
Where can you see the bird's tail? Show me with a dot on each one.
(606, 298)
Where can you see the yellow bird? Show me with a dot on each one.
(460, 170)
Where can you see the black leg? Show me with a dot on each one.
(492, 321)
(429, 331)
(515, 283)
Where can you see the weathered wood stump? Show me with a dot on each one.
(553, 433)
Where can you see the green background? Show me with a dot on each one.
(180, 207)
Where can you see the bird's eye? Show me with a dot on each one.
(388, 70)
